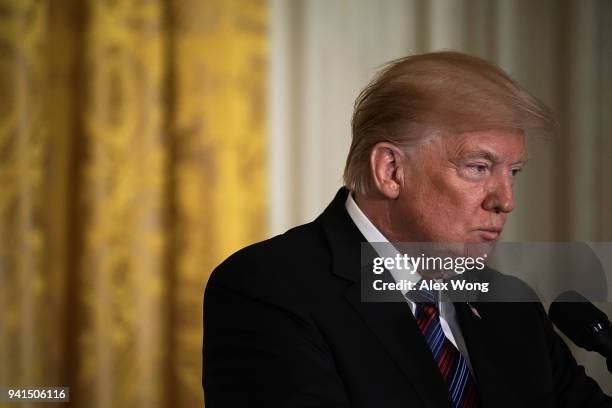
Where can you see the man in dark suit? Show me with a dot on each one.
(437, 142)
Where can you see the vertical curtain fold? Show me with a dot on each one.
(123, 177)
(23, 241)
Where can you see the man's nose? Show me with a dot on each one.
(500, 198)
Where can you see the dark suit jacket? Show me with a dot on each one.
(284, 327)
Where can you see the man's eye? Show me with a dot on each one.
(479, 168)
(515, 172)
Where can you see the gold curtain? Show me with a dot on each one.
(132, 159)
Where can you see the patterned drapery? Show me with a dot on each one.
(132, 160)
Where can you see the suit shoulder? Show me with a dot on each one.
(264, 261)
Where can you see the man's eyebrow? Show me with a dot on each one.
(491, 156)
(481, 154)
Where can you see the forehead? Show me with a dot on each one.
(501, 145)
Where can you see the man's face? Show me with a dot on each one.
(459, 188)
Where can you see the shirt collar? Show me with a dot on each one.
(374, 236)
(365, 226)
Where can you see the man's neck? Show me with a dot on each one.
(377, 211)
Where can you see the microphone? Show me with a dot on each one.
(583, 323)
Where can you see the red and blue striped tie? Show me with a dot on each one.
(452, 364)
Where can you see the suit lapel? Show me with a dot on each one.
(492, 351)
(396, 329)
(492, 382)
(391, 322)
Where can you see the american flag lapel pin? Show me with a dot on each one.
(474, 311)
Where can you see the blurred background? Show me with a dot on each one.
(143, 141)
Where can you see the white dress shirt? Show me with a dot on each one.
(448, 319)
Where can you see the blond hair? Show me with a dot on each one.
(415, 97)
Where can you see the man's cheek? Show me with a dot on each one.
(456, 198)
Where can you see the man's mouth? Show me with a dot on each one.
(489, 234)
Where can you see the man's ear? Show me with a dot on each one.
(386, 162)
